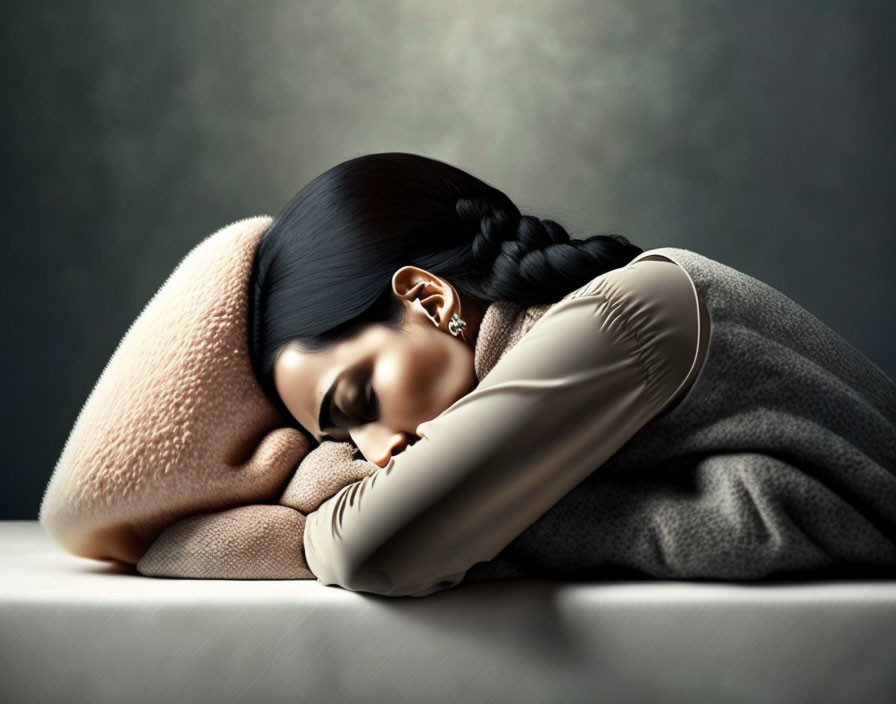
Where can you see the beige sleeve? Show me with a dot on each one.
(584, 379)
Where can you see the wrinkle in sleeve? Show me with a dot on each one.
(581, 382)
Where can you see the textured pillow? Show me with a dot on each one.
(260, 541)
(177, 425)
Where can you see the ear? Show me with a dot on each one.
(422, 289)
(258, 541)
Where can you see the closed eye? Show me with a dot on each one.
(372, 410)
(326, 421)
(369, 413)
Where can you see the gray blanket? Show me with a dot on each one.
(780, 461)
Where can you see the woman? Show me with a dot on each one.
(488, 365)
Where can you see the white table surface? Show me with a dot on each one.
(79, 630)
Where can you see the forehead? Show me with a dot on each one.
(295, 356)
(294, 359)
(298, 377)
(301, 376)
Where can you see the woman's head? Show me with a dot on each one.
(358, 276)
(378, 384)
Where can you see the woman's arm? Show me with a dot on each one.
(581, 382)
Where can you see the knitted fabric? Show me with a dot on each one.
(779, 461)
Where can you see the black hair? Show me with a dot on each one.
(358, 222)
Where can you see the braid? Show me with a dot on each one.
(529, 261)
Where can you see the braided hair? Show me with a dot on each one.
(325, 265)
(527, 260)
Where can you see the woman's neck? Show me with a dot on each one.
(472, 310)
(501, 326)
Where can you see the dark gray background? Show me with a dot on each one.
(757, 133)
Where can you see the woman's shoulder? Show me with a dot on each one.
(655, 296)
(639, 263)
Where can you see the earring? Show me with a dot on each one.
(457, 325)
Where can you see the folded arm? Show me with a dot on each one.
(581, 382)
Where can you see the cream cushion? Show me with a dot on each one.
(177, 424)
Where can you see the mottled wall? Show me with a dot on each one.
(758, 133)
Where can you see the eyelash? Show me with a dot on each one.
(371, 408)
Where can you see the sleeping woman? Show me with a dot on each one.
(543, 406)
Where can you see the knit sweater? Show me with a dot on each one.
(779, 461)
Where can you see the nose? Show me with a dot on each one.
(381, 452)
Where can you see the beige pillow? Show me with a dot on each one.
(258, 541)
(177, 425)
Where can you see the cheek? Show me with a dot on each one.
(427, 379)
(442, 373)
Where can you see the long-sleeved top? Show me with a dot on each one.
(779, 461)
(592, 371)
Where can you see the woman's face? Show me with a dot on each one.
(379, 385)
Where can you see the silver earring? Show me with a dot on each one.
(457, 325)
